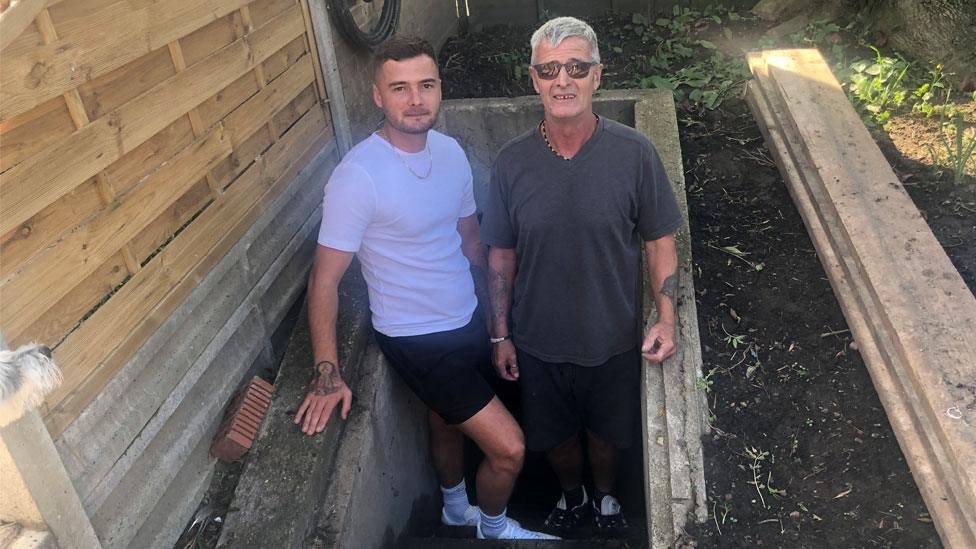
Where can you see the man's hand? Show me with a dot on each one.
(503, 357)
(324, 393)
(658, 343)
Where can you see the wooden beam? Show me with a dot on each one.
(324, 42)
(30, 186)
(877, 252)
(15, 19)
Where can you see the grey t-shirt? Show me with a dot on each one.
(577, 228)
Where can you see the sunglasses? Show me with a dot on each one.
(574, 69)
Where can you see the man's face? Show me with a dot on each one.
(409, 92)
(564, 97)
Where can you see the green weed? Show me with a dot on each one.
(957, 144)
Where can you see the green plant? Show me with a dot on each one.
(734, 341)
(877, 86)
(705, 382)
(757, 456)
(726, 512)
(957, 147)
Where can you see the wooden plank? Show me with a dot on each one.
(204, 41)
(106, 93)
(243, 156)
(27, 134)
(51, 275)
(47, 227)
(926, 460)
(91, 355)
(146, 158)
(284, 58)
(308, 43)
(171, 220)
(34, 183)
(916, 430)
(263, 11)
(224, 101)
(927, 306)
(284, 92)
(296, 108)
(52, 326)
(94, 43)
(15, 19)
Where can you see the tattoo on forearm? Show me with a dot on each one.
(326, 380)
(670, 286)
(501, 296)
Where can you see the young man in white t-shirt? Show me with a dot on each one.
(402, 201)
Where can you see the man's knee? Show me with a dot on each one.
(511, 453)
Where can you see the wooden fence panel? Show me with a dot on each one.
(139, 142)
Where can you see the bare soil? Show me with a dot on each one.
(801, 453)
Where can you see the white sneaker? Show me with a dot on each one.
(471, 517)
(514, 531)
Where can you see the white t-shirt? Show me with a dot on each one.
(404, 230)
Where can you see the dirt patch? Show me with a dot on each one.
(802, 454)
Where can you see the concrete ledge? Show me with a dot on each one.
(383, 473)
(279, 494)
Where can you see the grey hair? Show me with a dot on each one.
(556, 30)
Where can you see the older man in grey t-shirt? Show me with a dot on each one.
(570, 205)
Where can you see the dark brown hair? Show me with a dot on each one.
(399, 48)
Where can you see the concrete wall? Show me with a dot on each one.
(138, 455)
(435, 20)
(527, 12)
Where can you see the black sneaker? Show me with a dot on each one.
(563, 518)
(608, 516)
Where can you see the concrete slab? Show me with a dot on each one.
(383, 473)
(279, 495)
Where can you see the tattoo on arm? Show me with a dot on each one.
(326, 380)
(670, 286)
(501, 296)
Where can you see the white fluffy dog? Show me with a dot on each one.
(27, 375)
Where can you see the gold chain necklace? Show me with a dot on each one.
(430, 157)
(545, 137)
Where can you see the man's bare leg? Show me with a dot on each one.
(447, 450)
(603, 462)
(495, 431)
(566, 459)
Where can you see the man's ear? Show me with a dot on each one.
(535, 83)
(377, 98)
(597, 73)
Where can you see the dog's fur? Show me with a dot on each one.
(27, 375)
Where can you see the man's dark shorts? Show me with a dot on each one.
(446, 370)
(560, 398)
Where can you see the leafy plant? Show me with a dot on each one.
(878, 86)
(957, 147)
(734, 340)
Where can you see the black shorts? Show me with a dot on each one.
(560, 398)
(446, 370)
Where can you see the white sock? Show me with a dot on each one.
(455, 501)
(493, 527)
